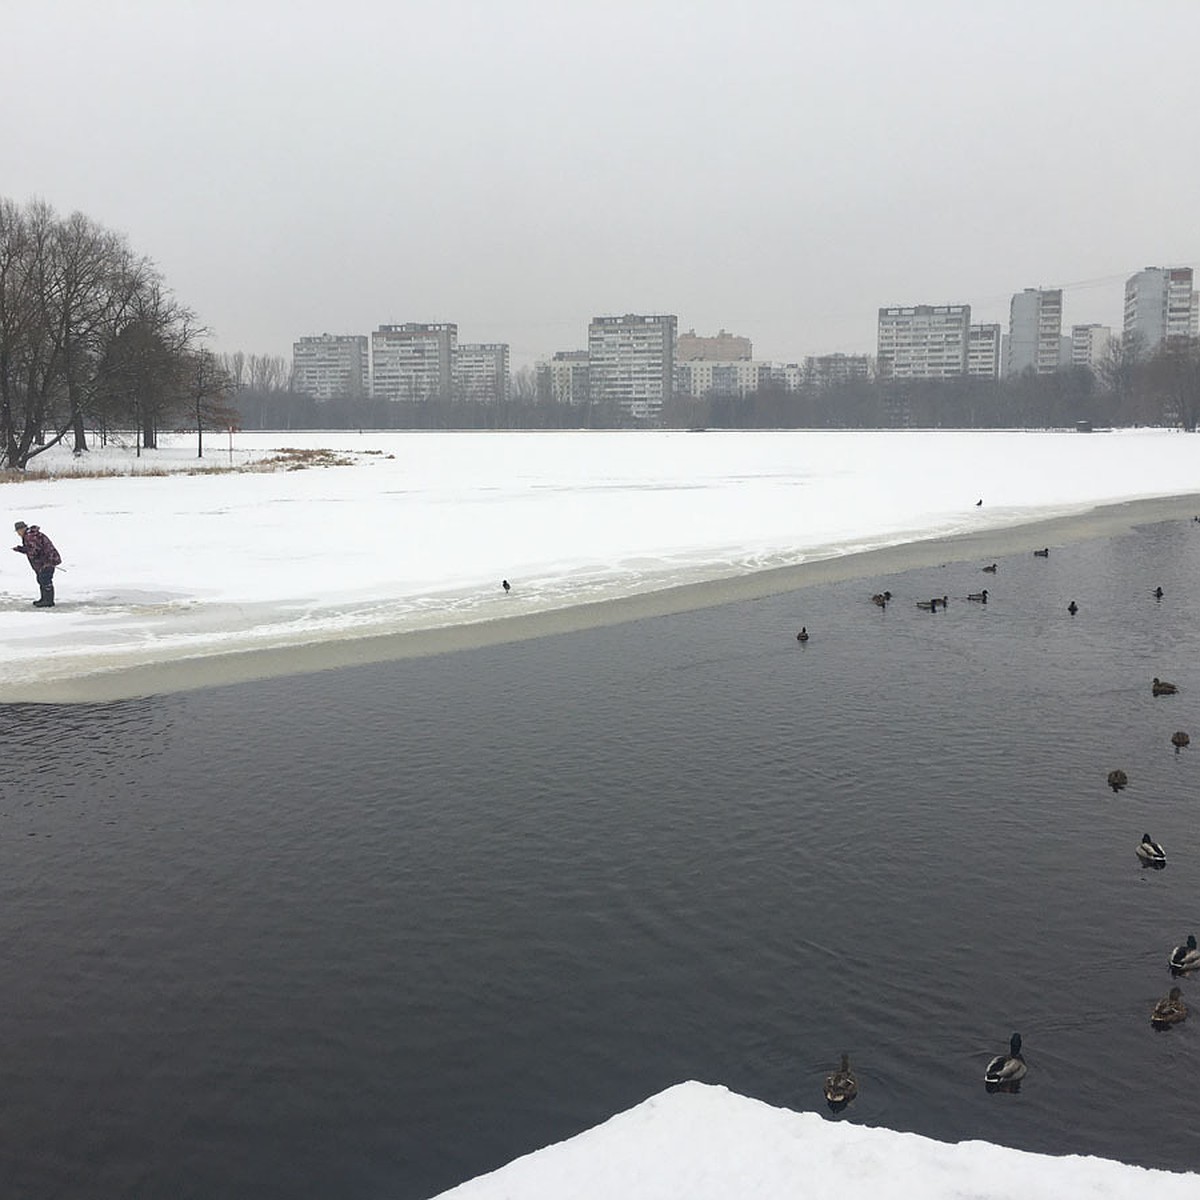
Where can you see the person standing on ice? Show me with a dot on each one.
(43, 558)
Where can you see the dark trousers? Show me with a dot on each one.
(45, 578)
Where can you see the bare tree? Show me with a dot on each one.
(33, 381)
(78, 313)
(1118, 371)
(267, 373)
(209, 386)
(1172, 377)
(148, 360)
(234, 366)
(16, 324)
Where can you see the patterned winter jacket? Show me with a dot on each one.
(38, 548)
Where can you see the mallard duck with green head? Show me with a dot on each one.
(1185, 957)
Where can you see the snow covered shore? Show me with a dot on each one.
(177, 580)
(707, 1143)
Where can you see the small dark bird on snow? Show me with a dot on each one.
(978, 503)
(506, 585)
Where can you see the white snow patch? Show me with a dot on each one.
(702, 1142)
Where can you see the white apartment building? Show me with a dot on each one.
(413, 362)
(705, 377)
(1089, 345)
(738, 377)
(723, 347)
(984, 343)
(1160, 303)
(789, 376)
(330, 365)
(1034, 331)
(481, 373)
(924, 341)
(631, 363)
(564, 379)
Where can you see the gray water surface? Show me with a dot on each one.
(371, 932)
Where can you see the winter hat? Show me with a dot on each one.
(20, 525)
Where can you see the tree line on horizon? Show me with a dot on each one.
(92, 341)
(1129, 388)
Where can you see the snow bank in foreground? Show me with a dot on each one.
(706, 1143)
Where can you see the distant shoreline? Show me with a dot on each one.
(243, 666)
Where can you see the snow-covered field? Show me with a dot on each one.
(706, 1143)
(419, 529)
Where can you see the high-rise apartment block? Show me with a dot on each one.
(564, 379)
(631, 363)
(1034, 331)
(924, 341)
(331, 365)
(1089, 345)
(481, 373)
(413, 362)
(1160, 304)
(724, 347)
(984, 343)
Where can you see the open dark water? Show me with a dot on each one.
(372, 932)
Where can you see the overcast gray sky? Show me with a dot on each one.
(777, 169)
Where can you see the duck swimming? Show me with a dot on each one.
(1151, 853)
(1170, 1010)
(1117, 779)
(1185, 957)
(1160, 687)
(1179, 739)
(802, 636)
(1007, 1068)
(1072, 608)
(881, 598)
(991, 570)
(1043, 553)
(980, 596)
(840, 1086)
